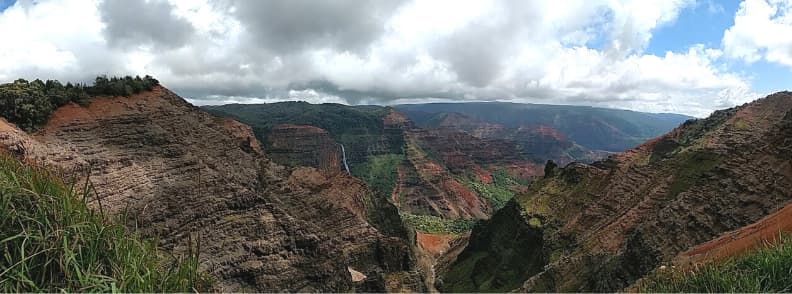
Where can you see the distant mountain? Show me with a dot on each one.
(602, 227)
(593, 128)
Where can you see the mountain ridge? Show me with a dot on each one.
(600, 227)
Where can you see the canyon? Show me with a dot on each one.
(177, 173)
(601, 227)
(430, 201)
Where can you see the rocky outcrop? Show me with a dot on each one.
(297, 145)
(605, 225)
(244, 134)
(178, 173)
(460, 151)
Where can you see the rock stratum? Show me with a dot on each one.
(178, 173)
(711, 186)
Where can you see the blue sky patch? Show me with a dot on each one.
(4, 4)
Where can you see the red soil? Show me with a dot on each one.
(469, 199)
(395, 119)
(435, 244)
(105, 107)
(765, 231)
(483, 176)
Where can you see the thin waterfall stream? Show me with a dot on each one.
(343, 157)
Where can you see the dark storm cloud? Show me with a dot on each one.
(141, 22)
(374, 95)
(285, 26)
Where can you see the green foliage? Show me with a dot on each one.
(498, 193)
(436, 225)
(29, 104)
(347, 124)
(379, 172)
(52, 242)
(690, 167)
(768, 269)
(121, 86)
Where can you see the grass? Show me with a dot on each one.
(379, 172)
(436, 225)
(768, 269)
(51, 241)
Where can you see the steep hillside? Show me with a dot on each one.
(359, 129)
(600, 227)
(294, 145)
(177, 173)
(593, 128)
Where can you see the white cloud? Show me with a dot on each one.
(762, 30)
(571, 52)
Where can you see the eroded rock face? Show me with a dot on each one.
(177, 172)
(605, 225)
(538, 142)
(297, 145)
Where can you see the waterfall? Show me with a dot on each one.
(343, 154)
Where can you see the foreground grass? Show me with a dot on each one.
(50, 241)
(768, 269)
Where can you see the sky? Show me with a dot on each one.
(679, 56)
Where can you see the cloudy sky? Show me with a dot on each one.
(682, 56)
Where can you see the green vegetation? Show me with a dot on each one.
(347, 124)
(691, 166)
(768, 269)
(500, 258)
(741, 124)
(50, 241)
(498, 193)
(29, 104)
(436, 225)
(463, 278)
(379, 172)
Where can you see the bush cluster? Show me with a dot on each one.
(30, 104)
